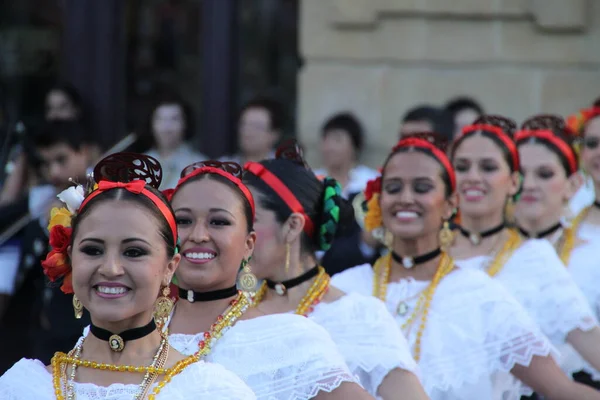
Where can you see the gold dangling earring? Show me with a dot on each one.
(246, 279)
(446, 237)
(162, 307)
(509, 211)
(78, 307)
(287, 257)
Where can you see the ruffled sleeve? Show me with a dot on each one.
(476, 334)
(279, 356)
(206, 381)
(367, 336)
(584, 266)
(27, 379)
(537, 278)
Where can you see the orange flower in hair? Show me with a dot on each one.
(373, 218)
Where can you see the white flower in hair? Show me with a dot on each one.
(72, 197)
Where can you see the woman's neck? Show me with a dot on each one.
(136, 352)
(478, 224)
(415, 247)
(535, 226)
(168, 152)
(192, 318)
(293, 295)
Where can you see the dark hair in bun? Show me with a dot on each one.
(322, 201)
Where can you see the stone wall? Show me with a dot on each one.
(380, 57)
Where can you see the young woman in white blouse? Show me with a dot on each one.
(470, 337)
(281, 356)
(115, 249)
(549, 164)
(487, 169)
(296, 216)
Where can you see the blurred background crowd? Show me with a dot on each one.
(187, 80)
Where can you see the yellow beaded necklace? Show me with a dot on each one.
(221, 325)
(566, 244)
(382, 269)
(62, 358)
(511, 244)
(313, 296)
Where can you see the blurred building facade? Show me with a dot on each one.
(378, 58)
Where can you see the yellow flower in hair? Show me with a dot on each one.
(373, 218)
(60, 216)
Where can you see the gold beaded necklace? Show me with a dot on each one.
(512, 243)
(221, 325)
(382, 269)
(313, 296)
(567, 242)
(61, 358)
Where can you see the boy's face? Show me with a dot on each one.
(61, 162)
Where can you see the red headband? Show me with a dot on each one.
(218, 171)
(437, 153)
(501, 135)
(554, 140)
(136, 187)
(282, 191)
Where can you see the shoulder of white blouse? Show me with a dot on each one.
(357, 279)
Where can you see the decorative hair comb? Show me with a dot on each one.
(544, 122)
(228, 166)
(508, 126)
(291, 150)
(439, 141)
(128, 167)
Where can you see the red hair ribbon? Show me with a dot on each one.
(136, 187)
(502, 136)
(282, 191)
(554, 140)
(437, 153)
(217, 171)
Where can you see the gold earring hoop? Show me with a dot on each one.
(162, 307)
(446, 237)
(77, 307)
(246, 279)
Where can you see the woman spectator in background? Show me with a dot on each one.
(169, 127)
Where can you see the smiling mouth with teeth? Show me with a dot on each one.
(111, 290)
(200, 256)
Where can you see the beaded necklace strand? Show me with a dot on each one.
(313, 296)
(222, 324)
(566, 243)
(382, 269)
(512, 243)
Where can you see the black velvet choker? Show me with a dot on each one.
(281, 288)
(475, 238)
(220, 294)
(117, 341)
(541, 234)
(409, 262)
